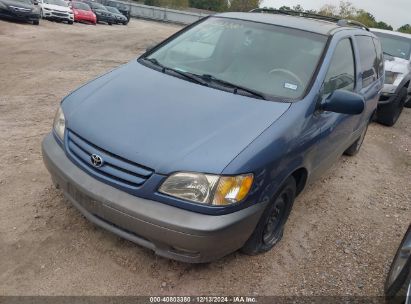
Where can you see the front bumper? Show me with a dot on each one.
(107, 19)
(29, 16)
(169, 231)
(121, 20)
(83, 18)
(386, 99)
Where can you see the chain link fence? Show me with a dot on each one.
(159, 13)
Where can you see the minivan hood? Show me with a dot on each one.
(164, 122)
(397, 65)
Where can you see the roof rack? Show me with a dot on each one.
(338, 21)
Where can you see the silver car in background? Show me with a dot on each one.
(397, 88)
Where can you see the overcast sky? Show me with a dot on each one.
(394, 12)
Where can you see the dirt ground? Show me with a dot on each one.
(340, 239)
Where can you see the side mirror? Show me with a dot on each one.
(344, 102)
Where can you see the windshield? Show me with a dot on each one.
(25, 1)
(118, 5)
(98, 6)
(56, 2)
(395, 46)
(272, 60)
(113, 10)
(81, 6)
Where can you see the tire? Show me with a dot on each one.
(408, 103)
(388, 114)
(270, 227)
(125, 23)
(356, 146)
(36, 22)
(110, 23)
(398, 287)
(70, 22)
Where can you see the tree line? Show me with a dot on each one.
(345, 10)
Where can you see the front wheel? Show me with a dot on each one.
(408, 103)
(356, 146)
(270, 228)
(389, 114)
(70, 22)
(36, 22)
(110, 23)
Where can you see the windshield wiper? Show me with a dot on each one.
(154, 61)
(234, 86)
(187, 75)
(385, 53)
(206, 78)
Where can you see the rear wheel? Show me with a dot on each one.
(36, 22)
(270, 228)
(389, 114)
(110, 23)
(70, 22)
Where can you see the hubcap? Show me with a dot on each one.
(275, 220)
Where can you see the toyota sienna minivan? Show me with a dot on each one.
(200, 146)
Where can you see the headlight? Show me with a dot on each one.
(208, 189)
(391, 77)
(59, 123)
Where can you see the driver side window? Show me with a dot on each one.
(341, 73)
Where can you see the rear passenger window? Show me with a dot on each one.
(380, 57)
(341, 73)
(369, 60)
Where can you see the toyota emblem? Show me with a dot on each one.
(96, 160)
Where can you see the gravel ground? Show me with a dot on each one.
(340, 239)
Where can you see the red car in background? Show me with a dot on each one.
(83, 12)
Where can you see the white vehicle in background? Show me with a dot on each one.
(397, 88)
(56, 10)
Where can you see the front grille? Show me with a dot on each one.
(20, 9)
(114, 169)
(60, 14)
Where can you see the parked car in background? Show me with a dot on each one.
(83, 13)
(22, 10)
(398, 283)
(56, 10)
(397, 88)
(122, 7)
(228, 122)
(101, 12)
(119, 17)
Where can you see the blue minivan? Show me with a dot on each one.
(200, 146)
